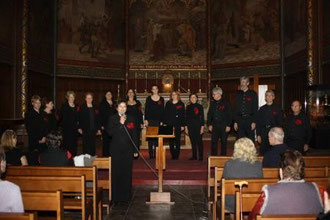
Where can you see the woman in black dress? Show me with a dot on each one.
(89, 124)
(48, 115)
(134, 108)
(154, 110)
(174, 115)
(14, 155)
(122, 129)
(195, 126)
(69, 118)
(107, 109)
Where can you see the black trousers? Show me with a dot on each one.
(106, 140)
(264, 147)
(244, 128)
(194, 129)
(175, 144)
(219, 131)
(152, 142)
(89, 138)
(70, 141)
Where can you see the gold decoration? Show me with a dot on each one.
(310, 39)
(24, 72)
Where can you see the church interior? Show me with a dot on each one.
(51, 50)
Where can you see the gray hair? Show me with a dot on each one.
(277, 133)
(269, 91)
(217, 90)
(244, 78)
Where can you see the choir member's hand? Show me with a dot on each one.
(146, 123)
(122, 119)
(102, 128)
(253, 126)
(142, 126)
(80, 131)
(235, 126)
(227, 129)
(43, 140)
(326, 202)
(186, 130)
(259, 139)
(202, 130)
(98, 132)
(210, 128)
(182, 128)
(306, 147)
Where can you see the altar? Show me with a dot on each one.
(202, 99)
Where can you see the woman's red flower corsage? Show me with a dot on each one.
(274, 112)
(221, 107)
(179, 107)
(298, 122)
(130, 125)
(96, 111)
(78, 108)
(248, 98)
(57, 117)
(160, 102)
(196, 111)
(45, 119)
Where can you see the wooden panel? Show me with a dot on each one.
(6, 91)
(39, 84)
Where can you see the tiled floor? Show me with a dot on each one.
(190, 203)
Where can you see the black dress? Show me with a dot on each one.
(174, 115)
(35, 128)
(13, 156)
(136, 112)
(154, 115)
(55, 157)
(50, 121)
(89, 123)
(195, 120)
(121, 151)
(69, 118)
(106, 111)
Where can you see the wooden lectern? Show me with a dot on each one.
(160, 196)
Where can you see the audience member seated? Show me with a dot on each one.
(14, 155)
(54, 155)
(326, 214)
(10, 194)
(243, 165)
(291, 195)
(273, 156)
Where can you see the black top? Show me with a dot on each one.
(195, 112)
(55, 157)
(219, 113)
(13, 156)
(69, 117)
(89, 118)
(50, 121)
(154, 110)
(269, 116)
(35, 127)
(174, 114)
(136, 112)
(298, 128)
(272, 158)
(106, 111)
(246, 105)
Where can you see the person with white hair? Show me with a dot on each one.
(273, 156)
(246, 108)
(219, 118)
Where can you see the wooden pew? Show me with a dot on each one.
(286, 217)
(17, 216)
(104, 163)
(248, 201)
(44, 201)
(90, 174)
(309, 172)
(50, 183)
(317, 161)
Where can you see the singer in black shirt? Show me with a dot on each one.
(195, 126)
(174, 115)
(122, 129)
(154, 110)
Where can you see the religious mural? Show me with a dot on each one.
(92, 31)
(295, 26)
(244, 31)
(167, 33)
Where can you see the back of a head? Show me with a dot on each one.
(7, 139)
(245, 150)
(2, 160)
(292, 165)
(277, 133)
(54, 139)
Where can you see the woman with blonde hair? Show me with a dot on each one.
(14, 155)
(244, 164)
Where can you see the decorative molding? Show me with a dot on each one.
(6, 55)
(157, 74)
(87, 72)
(218, 74)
